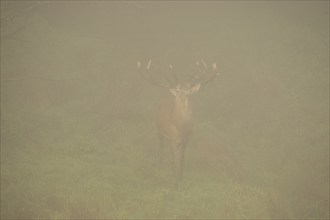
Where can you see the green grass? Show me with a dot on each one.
(114, 175)
(60, 170)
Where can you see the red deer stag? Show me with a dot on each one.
(174, 117)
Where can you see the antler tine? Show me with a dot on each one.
(148, 66)
(204, 64)
(149, 79)
(211, 75)
(173, 75)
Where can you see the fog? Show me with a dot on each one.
(78, 126)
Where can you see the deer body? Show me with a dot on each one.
(174, 119)
(171, 123)
(174, 123)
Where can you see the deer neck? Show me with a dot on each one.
(182, 112)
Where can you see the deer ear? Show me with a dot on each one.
(195, 88)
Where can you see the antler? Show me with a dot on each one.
(170, 84)
(207, 73)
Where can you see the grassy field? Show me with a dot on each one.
(64, 168)
(71, 173)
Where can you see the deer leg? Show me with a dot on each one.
(183, 150)
(177, 158)
(160, 150)
(182, 154)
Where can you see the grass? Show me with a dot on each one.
(113, 175)
(59, 170)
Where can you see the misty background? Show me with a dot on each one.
(78, 134)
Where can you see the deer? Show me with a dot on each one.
(175, 117)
